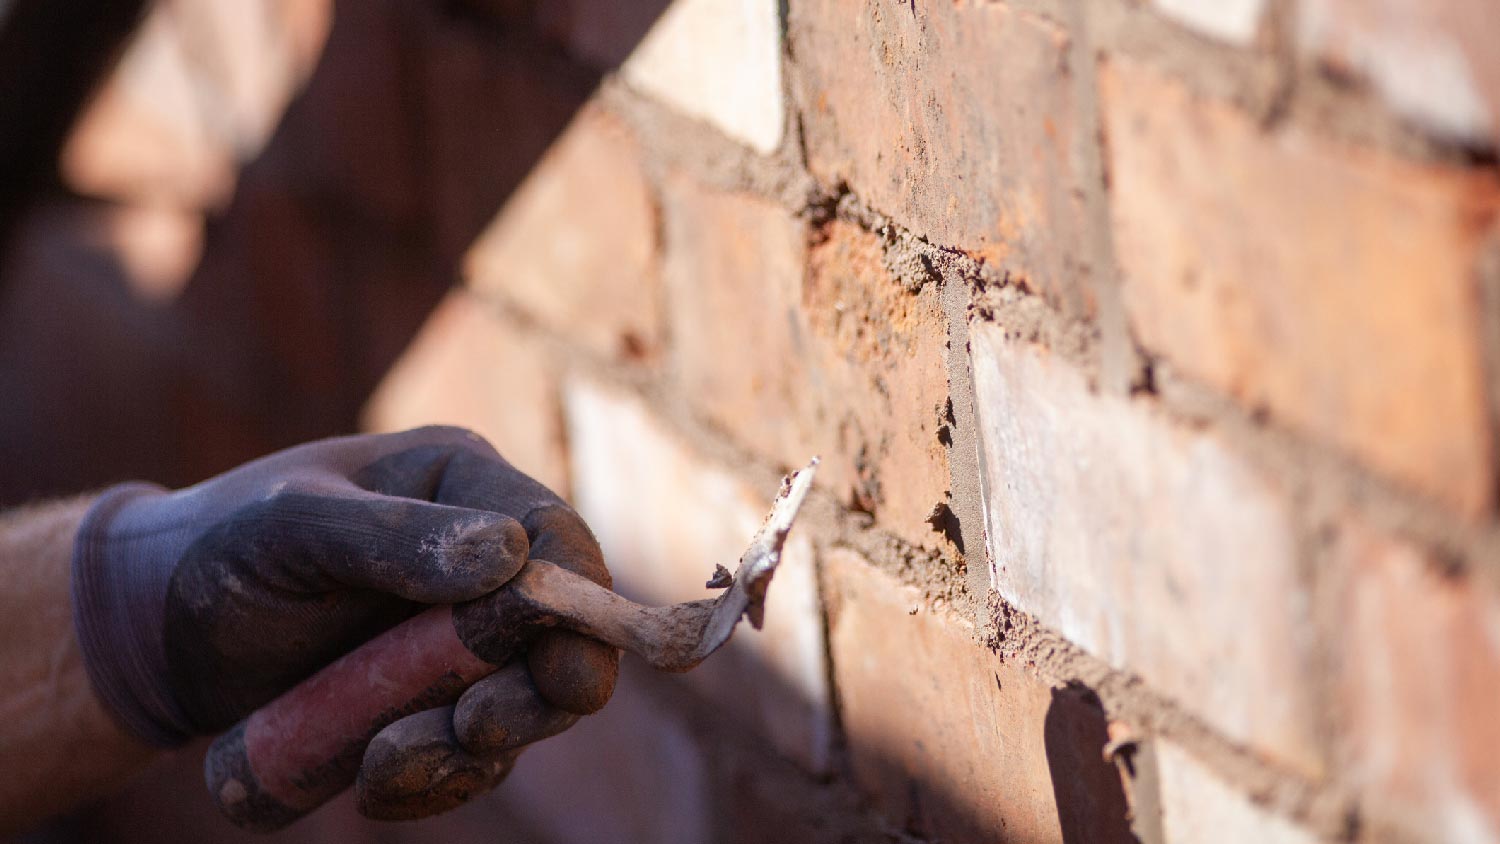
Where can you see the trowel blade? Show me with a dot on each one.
(747, 595)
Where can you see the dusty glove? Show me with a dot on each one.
(195, 607)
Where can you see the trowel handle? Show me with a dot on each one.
(303, 748)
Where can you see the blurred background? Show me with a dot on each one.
(1151, 347)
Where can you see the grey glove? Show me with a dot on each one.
(195, 607)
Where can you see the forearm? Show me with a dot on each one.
(60, 745)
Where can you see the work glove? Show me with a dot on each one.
(195, 607)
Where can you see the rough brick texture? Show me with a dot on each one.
(849, 364)
(1122, 530)
(1334, 287)
(957, 118)
(1420, 660)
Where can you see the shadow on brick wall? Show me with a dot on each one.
(418, 121)
(661, 765)
(1091, 803)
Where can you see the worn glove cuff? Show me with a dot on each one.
(119, 600)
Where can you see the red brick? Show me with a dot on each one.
(847, 363)
(955, 118)
(1433, 61)
(1418, 680)
(879, 382)
(1149, 544)
(665, 516)
(952, 742)
(467, 367)
(1331, 286)
(575, 247)
(733, 273)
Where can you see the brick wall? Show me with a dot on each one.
(1150, 347)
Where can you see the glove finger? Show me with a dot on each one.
(443, 464)
(415, 768)
(319, 539)
(571, 671)
(414, 464)
(483, 480)
(505, 712)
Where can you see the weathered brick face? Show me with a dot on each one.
(959, 120)
(1150, 348)
(849, 364)
(1335, 288)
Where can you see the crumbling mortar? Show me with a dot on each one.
(964, 475)
(1027, 318)
(677, 145)
(992, 296)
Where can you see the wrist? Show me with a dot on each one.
(122, 566)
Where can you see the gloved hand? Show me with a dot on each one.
(195, 607)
